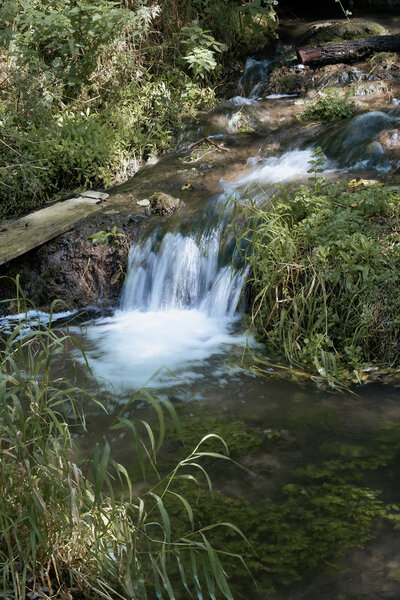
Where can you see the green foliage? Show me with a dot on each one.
(201, 48)
(67, 523)
(329, 106)
(106, 237)
(230, 22)
(325, 277)
(91, 89)
(60, 39)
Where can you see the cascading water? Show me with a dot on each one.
(182, 273)
(178, 307)
(178, 328)
(255, 73)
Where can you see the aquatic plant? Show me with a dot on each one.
(310, 525)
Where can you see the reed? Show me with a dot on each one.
(75, 527)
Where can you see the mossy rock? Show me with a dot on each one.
(163, 204)
(335, 31)
(286, 81)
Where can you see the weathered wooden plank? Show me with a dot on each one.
(33, 230)
(348, 51)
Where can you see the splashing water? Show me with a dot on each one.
(178, 309)
(291, 166)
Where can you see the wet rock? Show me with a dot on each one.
(72, 268)
(390, 138)
(290, 80)
(390, 142)
(96, 195)
(299, 80)
(356, 141)
(163, 204)
(374, 151)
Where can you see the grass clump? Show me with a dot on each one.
(329, 106)
(70, 525)
(325, 267)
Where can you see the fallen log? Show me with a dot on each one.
(347, 51)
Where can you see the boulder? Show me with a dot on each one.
(336, 31)
(163, 204)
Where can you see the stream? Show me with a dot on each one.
(178, 329)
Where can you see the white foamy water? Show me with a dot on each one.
(280, 96)
(291, 166)
(30, 320)
(239, 101)
(178, 309)
(180, 300)
(134, 349)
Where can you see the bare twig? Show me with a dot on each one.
(204, 139)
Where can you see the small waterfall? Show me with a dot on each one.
(182, 272)
(293, 165)
(178, 308)
(255, 73)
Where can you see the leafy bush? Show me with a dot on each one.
(59, 38)
(329, 106)
(325, 277)
(91, 89)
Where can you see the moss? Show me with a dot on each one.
(163, 204)
(239, 436)
(322, 33)
(283, 82)
(322, 512)
(309, 526)
(245, 129)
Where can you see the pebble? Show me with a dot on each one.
(144, 202)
